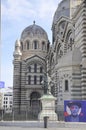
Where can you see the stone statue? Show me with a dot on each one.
(47, 82)
(47, 100)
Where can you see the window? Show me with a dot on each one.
(66, 85)
(35, 44)
(41, 69)
(43, 45)
(35, 79)
(29, 79)
(41, 78)
(29, 69)
(21, 46)
(10, 106)
(27, 45)
(63, 7)
(10, 102)
(35, 68)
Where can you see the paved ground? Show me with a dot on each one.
(25, 128)
(37, 125)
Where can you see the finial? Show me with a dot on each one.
(34, 22)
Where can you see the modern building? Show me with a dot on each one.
(6, 99)
(7, 102)
(66, 57)
(1, 100)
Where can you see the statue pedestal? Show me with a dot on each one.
(48, 107)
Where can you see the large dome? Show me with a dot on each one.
(34, 30)
(62, 10)
(66, 8)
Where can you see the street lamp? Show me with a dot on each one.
(12, 114)
(26, 112)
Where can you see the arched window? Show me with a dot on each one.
(35, 44)
(41, 78)
(29, 79)
(35, 68)
(41, 69)
(21, 46)
(28, 46)
(66, 85)
(29, 69)
(69, 40)
(35, 79)
(43, 46)
(59, 53)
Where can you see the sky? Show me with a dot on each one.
(16, 15)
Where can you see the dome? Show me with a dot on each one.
(62, 10)
(66, 8)
(34, 30)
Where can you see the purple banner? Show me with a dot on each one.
(75, 111)
(2, 84)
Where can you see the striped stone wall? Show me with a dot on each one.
(83, 50)
(80, 43)
(16, 86)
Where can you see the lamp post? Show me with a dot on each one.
(12, 114)
(26, 112)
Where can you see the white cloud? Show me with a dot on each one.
(47, 8)
(16, 9)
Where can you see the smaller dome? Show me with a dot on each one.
(34, 30)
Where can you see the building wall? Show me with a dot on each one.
(66, 59)
(69, 55)
(80, 38)
(1, 100)
(7, 102)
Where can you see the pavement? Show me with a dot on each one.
(25, 128)
(37, 125)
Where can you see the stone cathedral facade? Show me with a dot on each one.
(66, 57)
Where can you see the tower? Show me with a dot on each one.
(16, 76)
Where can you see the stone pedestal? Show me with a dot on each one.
(48, 107)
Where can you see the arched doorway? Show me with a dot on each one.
(35, 104)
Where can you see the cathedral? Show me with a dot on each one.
(64, 59)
